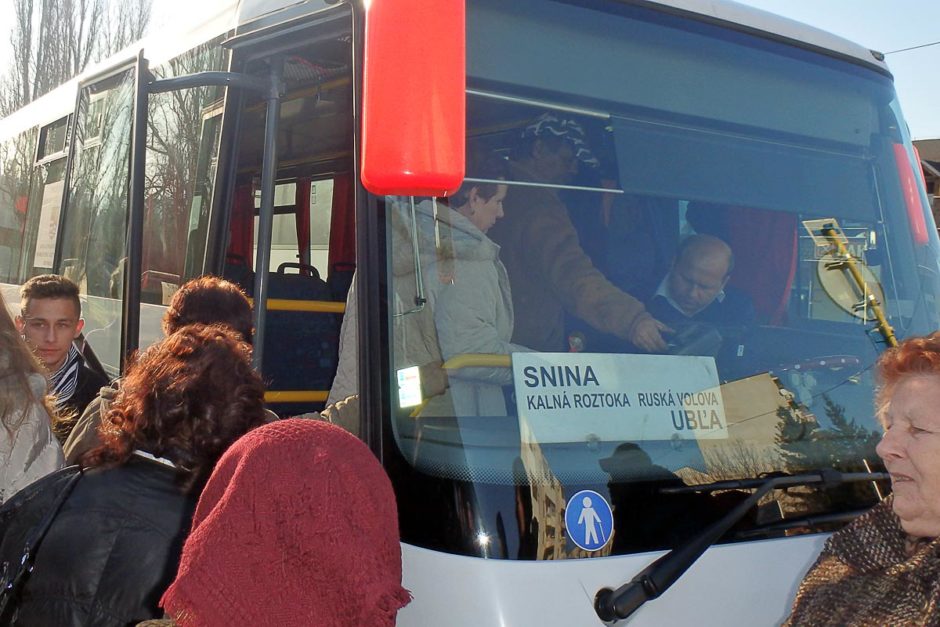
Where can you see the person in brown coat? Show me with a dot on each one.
(884, 568)
(548, 270)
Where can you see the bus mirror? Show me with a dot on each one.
(413, 97)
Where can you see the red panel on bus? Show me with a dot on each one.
(912, 197)
(413, 97)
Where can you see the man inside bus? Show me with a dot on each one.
(549, 272)
(50, 321)
(695, 289)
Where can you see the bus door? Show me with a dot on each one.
(306, 260)
(181, 150)
(130, 256)
(91, 249)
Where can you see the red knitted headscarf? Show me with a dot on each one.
(296, 526)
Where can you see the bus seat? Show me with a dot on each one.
(157, 287)
(300, 351)
(303, 269)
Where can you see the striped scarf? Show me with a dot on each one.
(64, 380)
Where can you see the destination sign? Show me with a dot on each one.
(576, 397)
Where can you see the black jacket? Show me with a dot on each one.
(112, 550)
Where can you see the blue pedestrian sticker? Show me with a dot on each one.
(589, 520)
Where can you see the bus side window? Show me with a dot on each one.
(14, 194)
(183, 133)
(29, 216)
(93, 230)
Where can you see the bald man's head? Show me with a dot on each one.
(699, 273)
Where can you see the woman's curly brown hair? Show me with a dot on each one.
(186, 398)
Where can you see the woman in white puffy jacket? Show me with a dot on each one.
(28, 449)
(467, 297)
(473, 312)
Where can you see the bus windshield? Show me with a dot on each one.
(676, 257)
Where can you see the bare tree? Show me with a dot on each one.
(127, 22)
(53, 40)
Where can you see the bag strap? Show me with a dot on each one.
(14, 584)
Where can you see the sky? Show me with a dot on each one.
(883, 25)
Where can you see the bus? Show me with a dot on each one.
(307, 151)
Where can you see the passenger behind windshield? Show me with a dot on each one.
(474, 311)
(695, 289)
(548, 270)
(694, 297)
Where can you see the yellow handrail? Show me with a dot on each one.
(469, 360)
(481, 360)
(478, 360)
(314, 306)
(296, 396)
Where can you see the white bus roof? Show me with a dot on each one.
(210, 18)
(782, 27)
(723, 10)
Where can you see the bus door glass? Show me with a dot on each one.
(718, 181)
(312, 249)
(183, 131)
(92, 246)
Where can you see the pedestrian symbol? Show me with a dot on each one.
(589, 520)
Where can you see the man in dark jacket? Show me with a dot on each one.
(695, 290)
(549, 272)
(51, 320)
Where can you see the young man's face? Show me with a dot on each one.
(49, 326)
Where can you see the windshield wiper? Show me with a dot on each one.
(826, 476)
(816, 521)
(656, 578)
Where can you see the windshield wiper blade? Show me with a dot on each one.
(656, 578)
(826, 475)
(815, 521)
